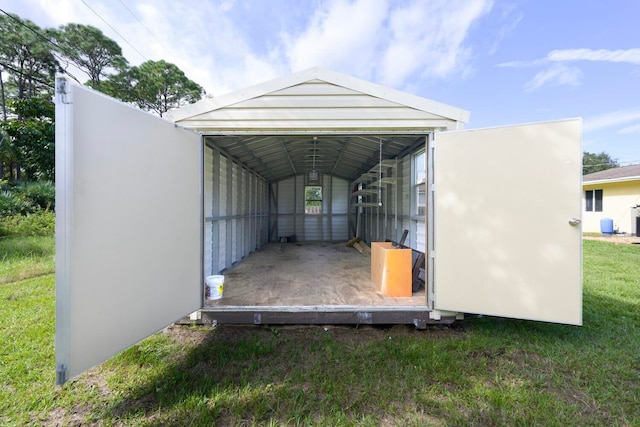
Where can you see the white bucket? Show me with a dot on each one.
(214, 287)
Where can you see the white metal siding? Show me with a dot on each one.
(299, 106)
(312, 227)
(339, 196)
(234, 212)
(224, 209)
(319, 99)
(208, 210)
(286, 210)
(238, 224)
(291, 219)
(339, 208)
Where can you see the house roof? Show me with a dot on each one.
(316, 119)
(624, 173)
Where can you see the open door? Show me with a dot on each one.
(128, 226)
(507, 211)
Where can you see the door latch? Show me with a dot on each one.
(574, 222)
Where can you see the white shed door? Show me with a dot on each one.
(506, 242)
(128, 226)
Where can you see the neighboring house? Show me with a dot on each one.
(612, 193)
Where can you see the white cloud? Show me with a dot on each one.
(561, 74)
(341, 35)
(429, 38)
(388, 41)
(630, 129)
(521, 64)
(506, 28)
(614, 118)
(631, 56)
(379, 40)
(555, 76)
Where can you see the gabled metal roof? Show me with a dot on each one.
(282, 127)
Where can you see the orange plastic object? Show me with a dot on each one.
(391, 269)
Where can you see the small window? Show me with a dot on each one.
(313, 199)
(421, 200)
(593, 200)
(421, 167)
(420, 177)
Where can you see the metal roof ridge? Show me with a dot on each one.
(329, 76)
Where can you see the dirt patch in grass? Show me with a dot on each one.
(617, 239)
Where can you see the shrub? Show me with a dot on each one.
(40, 223)
(26, 197)
(40, 194)
(12, 203)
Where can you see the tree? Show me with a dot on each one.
(26, 57)
(29, 66)
(28, 139)
(159, 86)
(90, 50)
(592, 162)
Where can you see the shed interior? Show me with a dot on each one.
(280, 207)
(314, 158)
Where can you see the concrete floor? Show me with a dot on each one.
(304, 274)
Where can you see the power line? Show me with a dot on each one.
(59, 48)
(37, 79)
(48, 40)
(116, 31)
(147, 28)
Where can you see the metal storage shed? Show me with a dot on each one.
(147, 208)
(314, 121)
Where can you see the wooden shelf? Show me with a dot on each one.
(365, 191)
(366, 205)
(389, 163)
(384, 181)
(367, 176)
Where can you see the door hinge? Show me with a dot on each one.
(61, 374)
(420, 323)
(61, 85)
(365, 318)
(257, 319)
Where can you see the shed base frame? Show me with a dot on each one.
(357, 316)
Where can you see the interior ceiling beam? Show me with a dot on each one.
(253, 157)
(344, 147)
(345, 155)
(211, 143)
(286, 152)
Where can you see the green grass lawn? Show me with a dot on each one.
(485, 371)
(26, 257)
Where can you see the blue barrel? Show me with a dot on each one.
(606, 226)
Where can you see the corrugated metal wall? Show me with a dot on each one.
(236, 212)
(288, 215)
(380, 223)
(243, 211)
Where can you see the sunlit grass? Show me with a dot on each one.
(487, 371)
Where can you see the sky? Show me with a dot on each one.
(505, 61)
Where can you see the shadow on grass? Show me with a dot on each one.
(283, 375)
(258, 375)
(487, 371)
